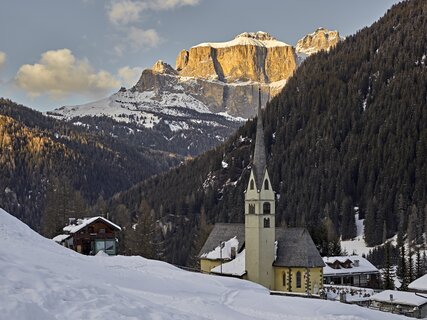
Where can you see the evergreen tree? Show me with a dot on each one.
(388, 273)
(402, 267)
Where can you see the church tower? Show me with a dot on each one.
(260, 215)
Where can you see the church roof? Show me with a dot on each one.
(224, 232)
(259, 162)
(295, 247)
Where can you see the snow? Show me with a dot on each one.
(42, 280)
(224, 252)
(61, 237)
(81, 223)
(352, 294)
(364, 266)
(400, 297)
(235, 267)
(247, 39)
(357, 245)
(224, 164)
(419, 284)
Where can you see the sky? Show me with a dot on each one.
(68, 52)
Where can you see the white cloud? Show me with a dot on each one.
(140, 38)
(129, 76)
(2, 58)
(125, 12)
(129, 11)
(59, 73)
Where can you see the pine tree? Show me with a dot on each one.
(402, 264)
(419, 268)
(411, 267)
(388, 273)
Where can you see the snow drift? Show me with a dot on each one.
(41, 280)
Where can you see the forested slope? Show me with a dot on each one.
(349, 130)
(40, 155)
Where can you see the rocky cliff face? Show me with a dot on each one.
(212, 90)
(249, 57)
(321, 39)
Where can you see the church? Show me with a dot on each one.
(280, 259)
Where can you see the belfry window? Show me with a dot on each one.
(252, 185)
(266, 185)
(284, 279)
(298, 279)
(266, 222)
(266, 208)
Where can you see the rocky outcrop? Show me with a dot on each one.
(249, 57)
(224, 76)
(321, 39)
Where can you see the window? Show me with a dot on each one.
(266, 186)
(108, 246)
(252, 185)
(251, 208)
(284, 279)
(266, 208)
(298, 279)
(266, 222)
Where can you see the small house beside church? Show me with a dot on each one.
(280, 259)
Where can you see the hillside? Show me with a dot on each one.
(42, 280)
(349, 129)
(43, 159)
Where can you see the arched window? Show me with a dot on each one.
(266, 222)
(266, 185)
(298, 279)
(266, 208)
(252, 185)
(284, 279)
(251, 208)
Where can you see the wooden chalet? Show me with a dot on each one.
(90, 236)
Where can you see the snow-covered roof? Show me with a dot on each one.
(260, 39)
(364, 266)
(81, 223)
(419, 284)
(224, 252)
(60, 237)
(235, 267)
(399, 297)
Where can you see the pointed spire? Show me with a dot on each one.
(260, 159)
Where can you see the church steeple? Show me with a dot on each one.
(259, 162)
(260, 221)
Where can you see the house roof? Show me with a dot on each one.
(235, 267)
(364, 266)
(400, 297)
(61, 237)
(223, 232)
(295, 248)
(419, 284)
(81, 223)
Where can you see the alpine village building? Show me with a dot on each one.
(280, 259)
(90, 236)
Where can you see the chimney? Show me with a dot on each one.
(71, 221)
(391, 297)
(356, 263)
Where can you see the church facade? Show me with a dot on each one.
(280, 259)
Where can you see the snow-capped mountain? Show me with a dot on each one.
(212, 90)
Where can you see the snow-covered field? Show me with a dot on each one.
(41, 280)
